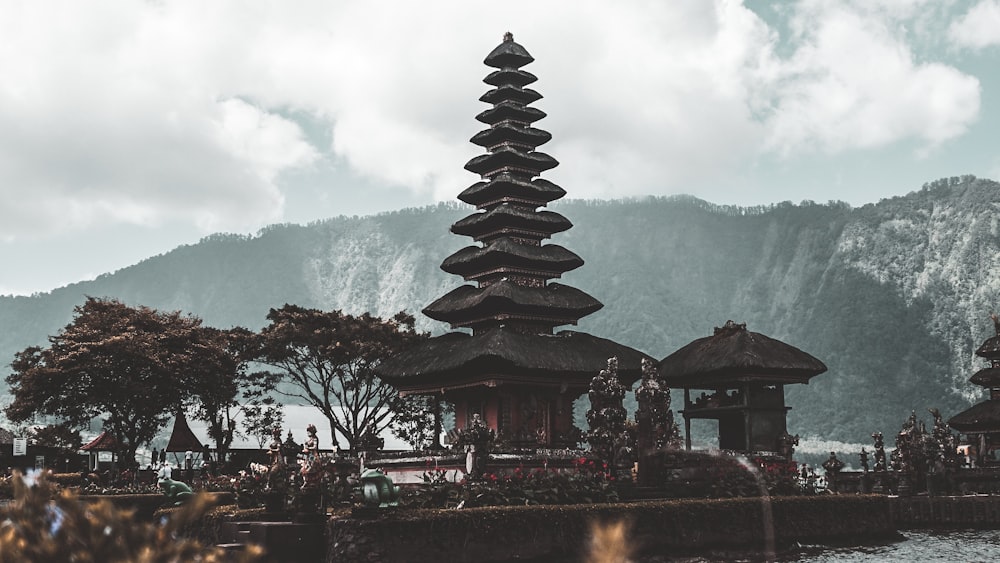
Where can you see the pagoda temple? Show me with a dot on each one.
(981, 422)
(509, 365)
(743, 375)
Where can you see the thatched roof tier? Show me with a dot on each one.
(472, 261)
(509, 77)
(504, 356)
(503, 218)
(510, 111)
(510, 133)
(512, 93)
(506, 186)
(104, 442)
(507, 158)
(734, 354)
(508, 54)
(981, 417)
(467, 305)
(990, 349)
(989, 377)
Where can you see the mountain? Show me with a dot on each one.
(893, 297)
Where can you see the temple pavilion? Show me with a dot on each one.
(981, 422)
(741, 376)
(507, 363)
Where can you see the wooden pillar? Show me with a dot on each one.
(687, 419)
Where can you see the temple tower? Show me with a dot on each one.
(513, 369)
(981, 422)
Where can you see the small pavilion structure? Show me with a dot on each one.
(981, 422)
(507, 363)
(182, 438)
(742, 375)
(104, 442)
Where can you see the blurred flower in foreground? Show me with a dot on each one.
(42, 524)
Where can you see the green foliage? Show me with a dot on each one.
(330, 358)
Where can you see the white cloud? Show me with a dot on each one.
(148, 113)
(978, 28)
(853, 83)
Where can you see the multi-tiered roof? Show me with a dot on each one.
(512, 305)
(512, 268)
(984, 417)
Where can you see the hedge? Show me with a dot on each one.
(681, 525)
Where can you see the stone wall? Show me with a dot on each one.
(673, 526)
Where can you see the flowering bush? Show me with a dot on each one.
(586, 483)
(730, 478)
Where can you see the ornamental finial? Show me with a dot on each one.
(508, 36)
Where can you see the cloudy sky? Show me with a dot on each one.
(129, 128)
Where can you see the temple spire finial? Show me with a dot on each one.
(508, 36)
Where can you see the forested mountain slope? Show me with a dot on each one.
(893, 297)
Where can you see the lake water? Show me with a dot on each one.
(917, 546)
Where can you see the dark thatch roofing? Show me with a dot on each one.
(510, 110)
(990, 348)
(989, 377)
(735, 354)
(981, 417)
(510, 216)
(182, 438)
(508, 54)
(513, 93)
(540, 190)
(504, 251)
(104, 442)
(459, 359)
(468, 302)
(501, 132)
(506, 77)
(509, 157)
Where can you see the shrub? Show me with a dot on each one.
(43, 524)
(585, 484)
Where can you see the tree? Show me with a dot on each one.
(418, 423)
(225, 389)
(330, 358)
(260, 420)
(131, 366)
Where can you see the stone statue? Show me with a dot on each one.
(786, 445)
(311, 446)
(864, 460)
(832, 466)
(879, 452)
(177, 493)
(274, 449)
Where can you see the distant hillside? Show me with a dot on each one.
(893, 297)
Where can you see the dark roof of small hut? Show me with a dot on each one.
(981, 417)
(182, 438)
(104, 442)
(989, 377)
(735, 354)
(568, 357)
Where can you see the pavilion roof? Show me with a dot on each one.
(504, 355)
(104, 442)
(735, 354)
(981, 417)
(182, 438)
